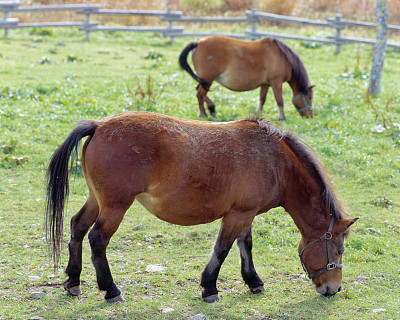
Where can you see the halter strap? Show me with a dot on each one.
(331, 264)
(307, 107)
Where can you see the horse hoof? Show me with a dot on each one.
(118, 298)
(212, 298)
(74, 291)
(258, 290)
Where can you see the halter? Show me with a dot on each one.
(307, 107)
(331, 264)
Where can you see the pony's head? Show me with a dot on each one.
(321, 256)
(303, 102)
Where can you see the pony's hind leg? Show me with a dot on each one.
(262, 98)
(250, 276)
(211, 106)
(99, 237)
(202, 97)
(80, 224)
(232, 226)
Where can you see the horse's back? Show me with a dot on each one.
(239, 65)
(185, 172)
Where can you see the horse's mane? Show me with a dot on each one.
(308, 158)
(299, 71)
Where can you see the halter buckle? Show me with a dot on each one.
(331, 266)
(328, 235)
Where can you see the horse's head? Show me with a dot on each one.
(322, 257)
(303, 102)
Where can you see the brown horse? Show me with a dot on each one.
(190, 172)
(246, 65)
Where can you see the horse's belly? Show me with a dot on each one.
(236, 83)
(176, 212)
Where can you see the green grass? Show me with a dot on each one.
(49, 83)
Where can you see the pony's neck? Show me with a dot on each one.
(295, 86)
(304, 203)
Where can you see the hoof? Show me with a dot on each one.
(118, 298)
(258, 290)
(74, 291)
(212, 298)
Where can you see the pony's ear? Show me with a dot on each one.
(344, 224)
(311, 86)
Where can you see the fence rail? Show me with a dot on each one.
(252, 17)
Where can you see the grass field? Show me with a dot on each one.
(50, 82)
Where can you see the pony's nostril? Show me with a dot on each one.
(339, 289)
(329, 292)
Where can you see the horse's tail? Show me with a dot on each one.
(58, 186)
(184, 64)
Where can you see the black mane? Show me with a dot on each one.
(308, 158)
(299, 71)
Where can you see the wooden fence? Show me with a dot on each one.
(252, 17)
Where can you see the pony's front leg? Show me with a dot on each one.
(80, 224)
(99, 237)
(277, 88)
(250, 276)
(232, 226)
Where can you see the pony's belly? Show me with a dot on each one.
(176, 212)
(147, 201)
(236, 83)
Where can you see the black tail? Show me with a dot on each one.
(58, 186)
(183, 63)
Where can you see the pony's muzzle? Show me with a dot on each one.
(328, 290)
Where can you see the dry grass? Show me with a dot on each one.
(350, 9)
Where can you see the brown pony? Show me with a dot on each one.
(190, 172)
(246, 65)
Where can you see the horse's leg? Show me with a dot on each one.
(232, 226)
(250, 276)
(80, 224)
(201, 97)
(263, 97)
(99, 237)
(211, 106)
(277, 88)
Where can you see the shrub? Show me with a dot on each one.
(276, 6)
(200, 5)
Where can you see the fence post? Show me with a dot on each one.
(254, 22)
(170, 23)
(88, 25)
(339, 28)
(5, 29)
(8, 6)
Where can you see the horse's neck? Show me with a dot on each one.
(295, 86)
(304, 203)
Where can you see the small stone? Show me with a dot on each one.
(167, 310)
(373, 230)
(154, 268)
(378, 310)
(34, 278)
(198, 316)
(36, 318)
(38, 295)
